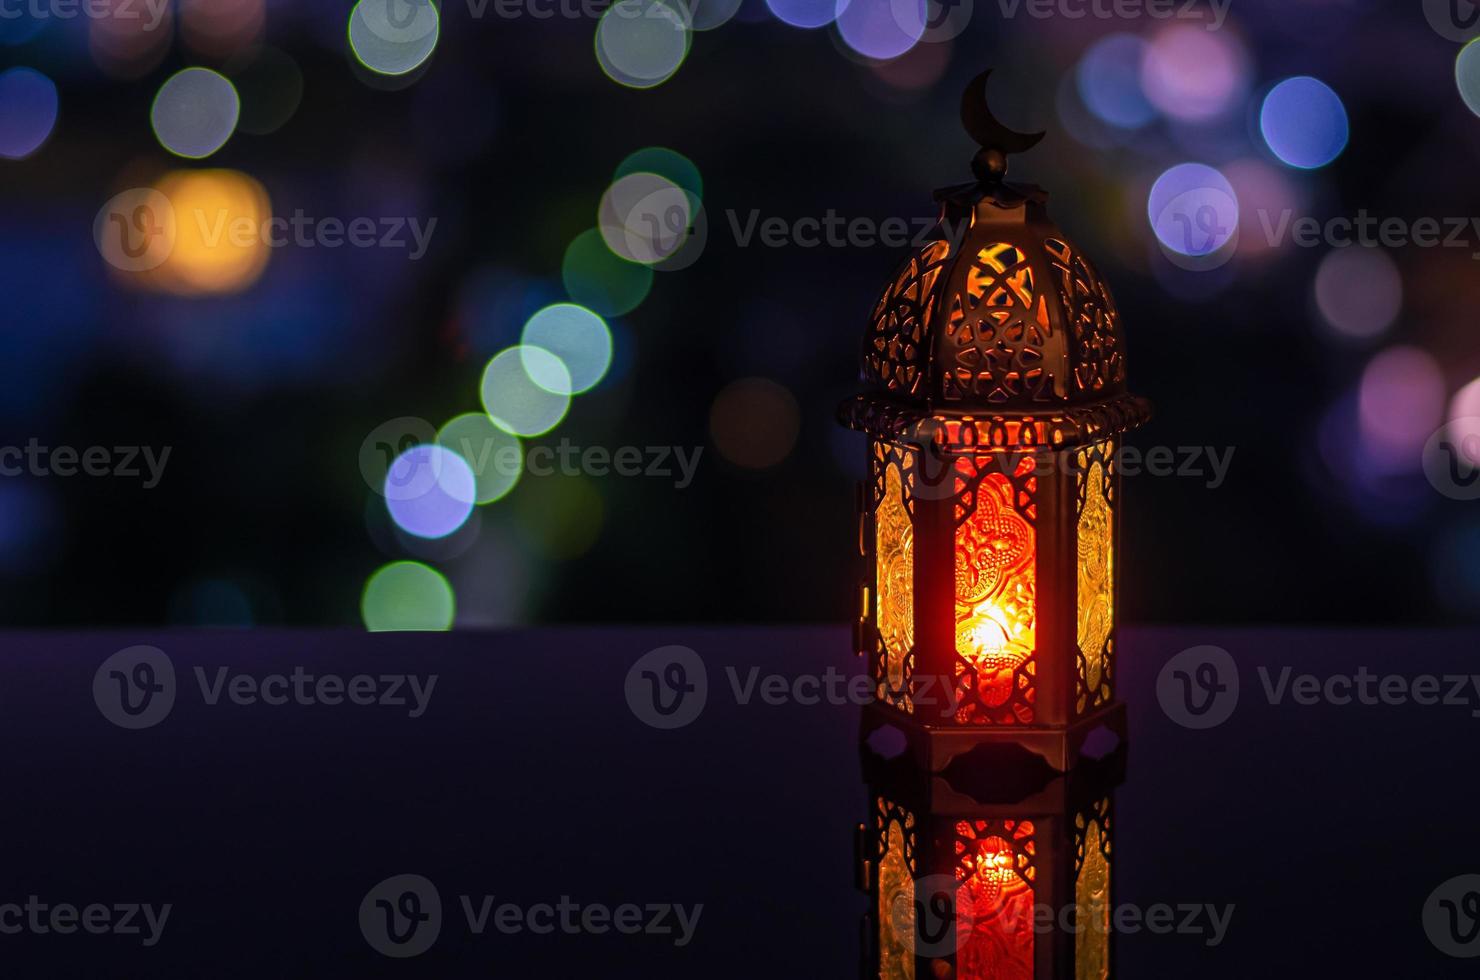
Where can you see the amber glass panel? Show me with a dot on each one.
(894, 550)
(1096, 574)
(995, 552)
(994, 902)
(1092, 897)
(896, 909)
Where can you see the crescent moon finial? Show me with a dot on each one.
(995, 139)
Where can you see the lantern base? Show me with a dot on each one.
(933, 747)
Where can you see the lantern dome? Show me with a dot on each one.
(998, 317)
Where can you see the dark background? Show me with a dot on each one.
(509, 135)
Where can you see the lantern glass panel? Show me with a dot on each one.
(894, 547)
(896, 908)
(996, 580)
(1096, 574)
(1092, 902)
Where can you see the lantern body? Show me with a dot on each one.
(988, 524)
(981, 890)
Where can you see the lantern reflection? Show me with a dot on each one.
(978, 875)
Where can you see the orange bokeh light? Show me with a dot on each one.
(220, 245)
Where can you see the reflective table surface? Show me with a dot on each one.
(572, 803)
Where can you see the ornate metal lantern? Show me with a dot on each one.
(989, 521)
(988, 873)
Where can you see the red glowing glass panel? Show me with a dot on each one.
(996, 553)
(994, 900)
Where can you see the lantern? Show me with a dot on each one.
(988, 524)
(986, 877)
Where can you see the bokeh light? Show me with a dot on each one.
(577, 336)
(1194, 75)
(641, 43)
(524, 402)
(804, 13)
(1304, 123)
(1463, 428)
(222, 27)
(1109, 80)
(1193, 210)
(1265, 193)
(130, 38)
(645, 218)
(754, 423)
(28, 112)
(271, 87)
(195, 113)
(394, 37)
(430, 491)
(495, 457)
(1358, 291)
(601, 280)
(20, 26)
(1400, 403)
(407, 595)
(919, 68)
(706, 15)
(220, 219)
(880, 29)
(665, 163)
(1467, 75)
